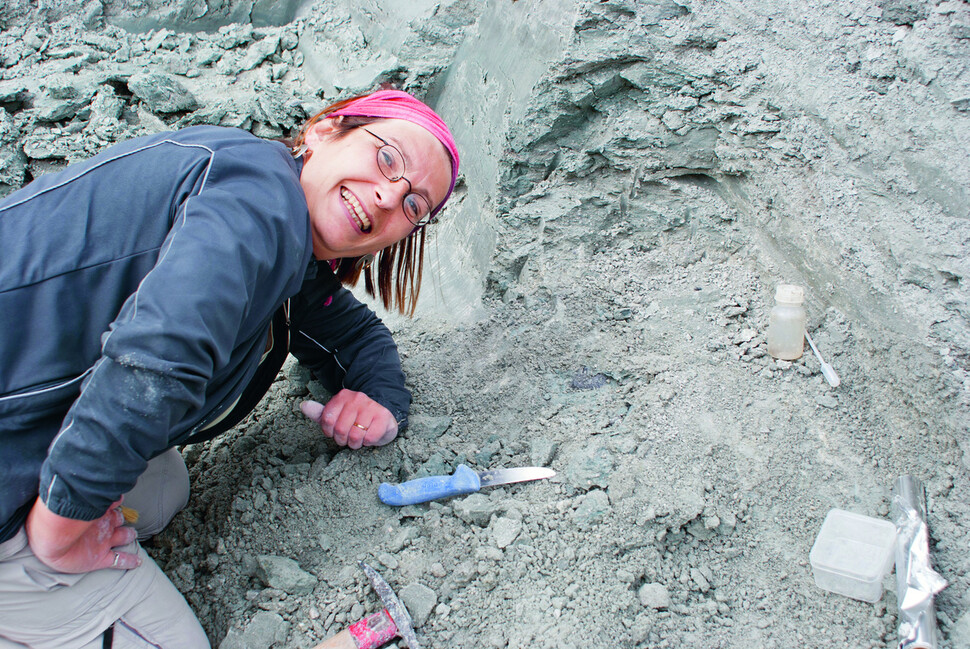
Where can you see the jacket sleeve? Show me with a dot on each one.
(230, 258)
(345, 345)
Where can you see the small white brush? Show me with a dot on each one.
(827, 370)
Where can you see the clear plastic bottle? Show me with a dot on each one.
(786, 323)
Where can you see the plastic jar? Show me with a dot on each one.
(786, 323)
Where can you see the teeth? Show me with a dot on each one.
(356, 209)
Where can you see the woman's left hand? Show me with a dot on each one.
(75, 546)
(353, 419)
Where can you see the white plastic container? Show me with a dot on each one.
(786, 323)
(853, 554)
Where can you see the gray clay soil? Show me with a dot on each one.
(671, 164)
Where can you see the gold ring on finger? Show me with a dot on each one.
(114, 564)
(359, 426)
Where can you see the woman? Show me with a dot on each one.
(148, 297)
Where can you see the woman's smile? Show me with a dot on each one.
(356, 212)
(355, 208)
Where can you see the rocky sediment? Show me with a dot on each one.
(674, 162)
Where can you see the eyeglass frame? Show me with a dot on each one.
(423, 221)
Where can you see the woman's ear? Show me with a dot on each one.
(321, 129)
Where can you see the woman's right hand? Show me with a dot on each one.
(353, 419)
(73, 546)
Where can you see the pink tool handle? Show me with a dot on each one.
(374, 630)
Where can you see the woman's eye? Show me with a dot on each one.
(411, 206)
(391, 161)
(387, 159)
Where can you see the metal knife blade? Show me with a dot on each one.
(462, 481)
(395, 608)
(496, 477)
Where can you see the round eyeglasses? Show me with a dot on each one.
(390, 161)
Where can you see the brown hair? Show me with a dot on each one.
(400, 265)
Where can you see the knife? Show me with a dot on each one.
(462, 481)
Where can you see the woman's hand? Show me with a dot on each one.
(72, 546)
(353, 419)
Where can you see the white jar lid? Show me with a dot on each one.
(790, 294)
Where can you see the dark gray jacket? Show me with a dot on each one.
(136, 293)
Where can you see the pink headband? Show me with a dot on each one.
(394, 104)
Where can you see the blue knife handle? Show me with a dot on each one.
(462, 481)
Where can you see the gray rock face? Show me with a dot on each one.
(162, 93)
(959, 636)
(505, 531)
(903, 12)
(542, 451)
(589, 467)
(593, 509)
(62, 100)
(419, 601)
(654, 596)
(285, 574)
(13, 163)
(265, 631)
(428, 427)
(636, 178)
(476, 509)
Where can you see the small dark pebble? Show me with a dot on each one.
(584, 379)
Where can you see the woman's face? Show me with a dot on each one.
(354, 208)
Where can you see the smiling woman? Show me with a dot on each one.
(148, 298)
(411, 161)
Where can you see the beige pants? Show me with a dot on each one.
(44, 609)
